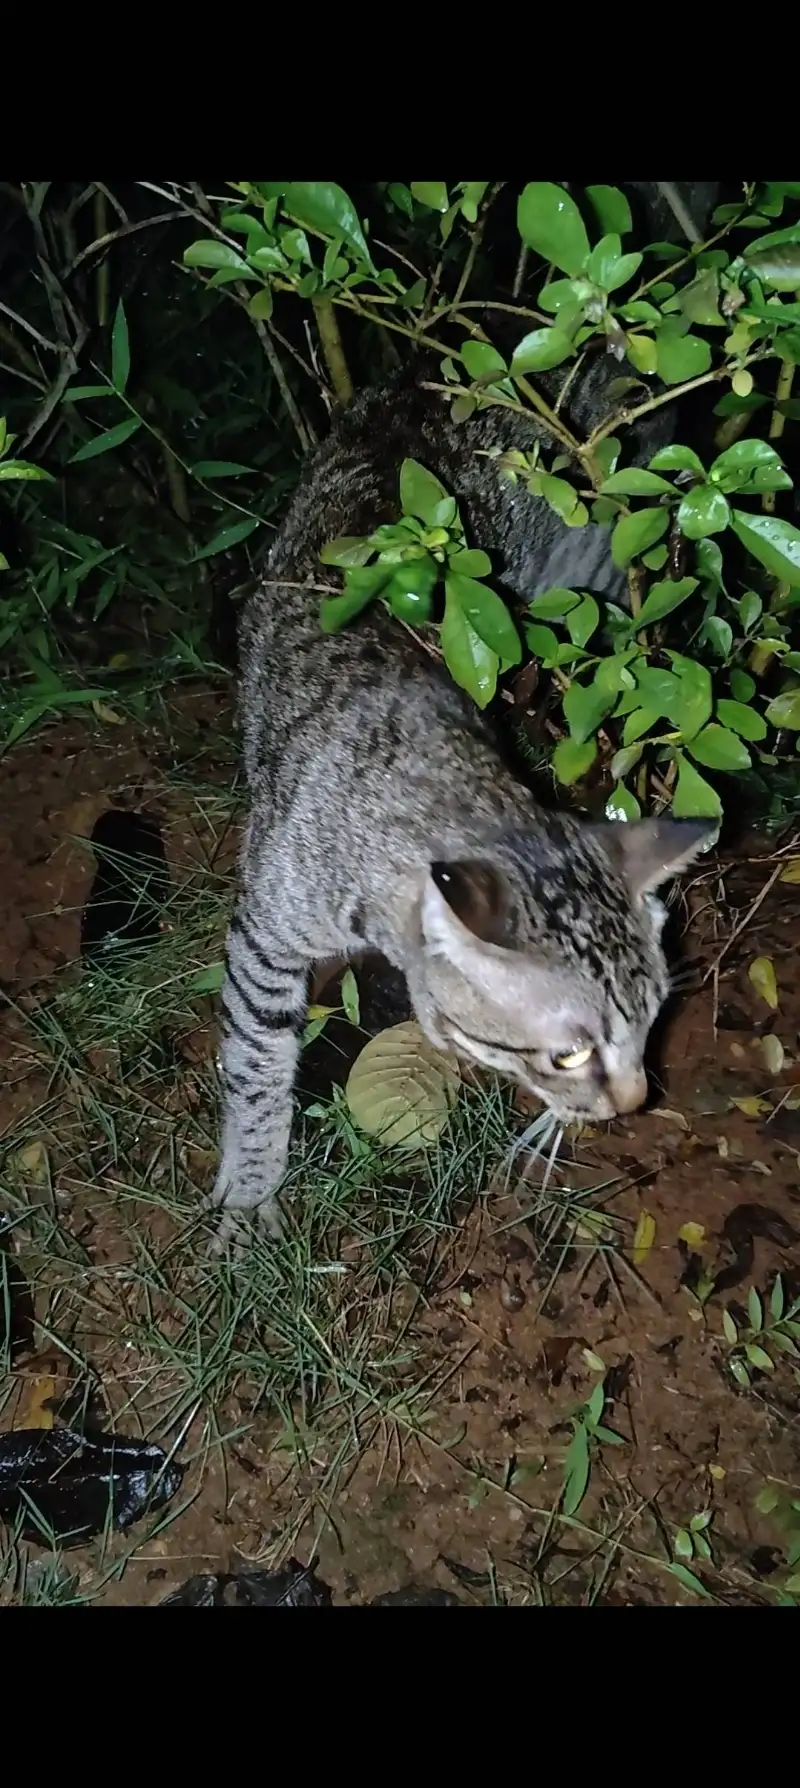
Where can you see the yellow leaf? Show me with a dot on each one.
(792, 871)
(120, 661)
(773, 1053)
(320, 1012)
(752, 1107)
(109, 715)
(693, 1234)
(44, 1382)
(400, 1088)
(593, 1360)
(717, 1471)
(762, 975)
(644, 1238)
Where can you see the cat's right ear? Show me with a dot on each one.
(464, 901)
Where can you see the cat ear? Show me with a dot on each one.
(464, 901)
(652, 851)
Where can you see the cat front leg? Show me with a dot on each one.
(264, 1001)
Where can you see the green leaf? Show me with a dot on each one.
(410, 589)
(350, 1000)
(775, 543)
(624, 761)
(471, 663)
(611, 209)
(550, 223)
(325, 207)
(207, 980)
(703, 511)
(681, 357)
(633, 534)
(576, 1471)
(571, 760)
(472, 562)
(541, 641)
(742, 720)
(559, 292)
(694, 696)
(553, 605)
(261, 305)
(758, 1357)
(104, 443)
(559, 494)
(621, 804)
(719, 749)
(718, 634)
(677, 459)
(740, 1373)
(420, 492)
(662, 598)
(607, 453)
(21, 469)
(694, 798)
(120, 350)
(642, 352)
(362, 585)
(784, 710)
(583, 620)
(729, 1327)
(269, 258)
(735, 469)
(349, 549)
(74, 393)
(633, 481)
(776, 1301)
(656, 559)
(432, 193)
(220, 468)
(585, 706)
(749, 608)
(778, 267)
(540, 350)
(622, 270)
(743, 686)
(482, 360)
(226, 538)
(682, 1545)
(689, 1581)
(210, 253)
(487, 614)
(699, 301)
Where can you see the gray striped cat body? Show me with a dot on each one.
(383, 815)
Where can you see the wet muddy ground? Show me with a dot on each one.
(425, 1433)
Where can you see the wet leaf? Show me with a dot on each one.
(761, 975)
(693, 1234)
(774, 1055)
(350, 999)
(775, 543)
(644, 1237)
(486, 613)
(703, 511)
(740, 1373)
(400, 1089)
(549, 222)
(472, 664)
(642, 352)
(677, 459)
(634, 481)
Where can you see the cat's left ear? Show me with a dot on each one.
(653, 851)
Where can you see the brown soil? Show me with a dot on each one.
(458, 1494)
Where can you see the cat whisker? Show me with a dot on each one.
(537, 1137)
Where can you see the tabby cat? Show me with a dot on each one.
(383, 815)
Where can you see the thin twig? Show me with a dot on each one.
(128, 229)
(22, 323)
(745, 921)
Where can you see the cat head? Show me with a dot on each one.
(544, 960)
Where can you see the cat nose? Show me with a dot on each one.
(628, 1091)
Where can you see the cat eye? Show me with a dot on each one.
(572, 1058)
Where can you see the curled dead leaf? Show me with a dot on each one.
(761, 975)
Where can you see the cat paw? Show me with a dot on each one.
(241, 1213)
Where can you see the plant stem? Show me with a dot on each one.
(333, 350)
(783, 391)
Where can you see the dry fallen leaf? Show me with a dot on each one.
(773, 1053)
(644, 1237)
(44, 1384)
(792, 871)
(32, 1161)
(671, 1117)
(761, 974)
(752, 1107)
(693, 1234)
(109, 715)
(400, 1088)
